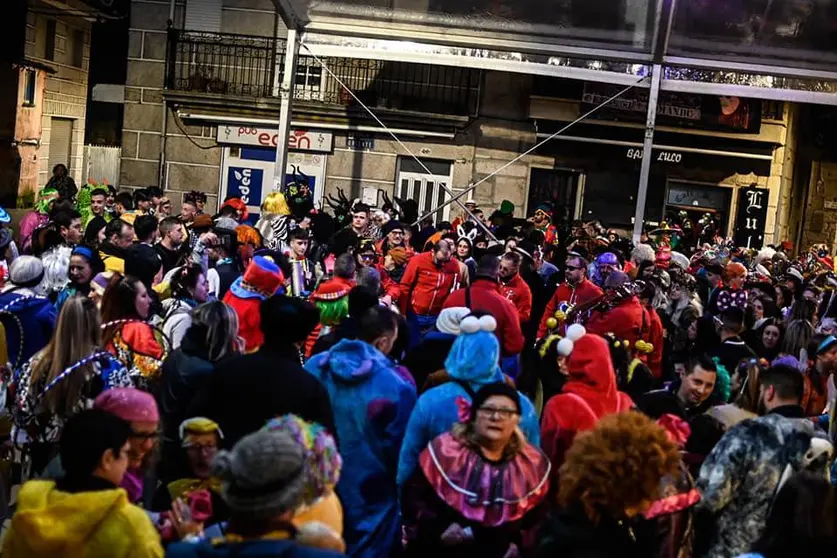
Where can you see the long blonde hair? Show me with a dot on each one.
(77, 335)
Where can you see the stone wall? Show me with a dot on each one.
(65, 91)
(820, 225)
(185, 165)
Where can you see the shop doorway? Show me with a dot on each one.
(557, 187)
(697, 209)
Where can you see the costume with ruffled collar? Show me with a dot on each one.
(500, 503)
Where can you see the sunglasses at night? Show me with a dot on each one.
(573, 268)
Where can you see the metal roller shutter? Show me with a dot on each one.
(60, 140)
(203, 15)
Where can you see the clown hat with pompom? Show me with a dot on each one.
(261, 279)
(475, 355)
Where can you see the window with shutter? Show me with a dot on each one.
(203, 15)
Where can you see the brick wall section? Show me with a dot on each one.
(65, 92)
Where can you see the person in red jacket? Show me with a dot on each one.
(589, 394)
(654, 336)
(485, 296)
(428, 280)
(577, 289)
(513, 287)
(626, 320)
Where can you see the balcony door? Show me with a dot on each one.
(427, 189)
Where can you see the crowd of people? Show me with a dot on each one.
(311, 383)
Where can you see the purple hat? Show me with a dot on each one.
(607, 258)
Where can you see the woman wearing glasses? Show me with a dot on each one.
(480, 489)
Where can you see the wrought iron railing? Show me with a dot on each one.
(239, 65)
(244, 66)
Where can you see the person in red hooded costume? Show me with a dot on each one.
(261, 280)
(588, 395)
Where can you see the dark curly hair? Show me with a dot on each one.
(621, 446)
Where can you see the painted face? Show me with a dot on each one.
(188, 212)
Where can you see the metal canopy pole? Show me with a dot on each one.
(283, 87)
(647, 148)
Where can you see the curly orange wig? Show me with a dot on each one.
(616, 466)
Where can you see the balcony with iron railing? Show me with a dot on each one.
(240, 66)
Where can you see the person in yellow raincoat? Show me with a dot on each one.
(85, 514)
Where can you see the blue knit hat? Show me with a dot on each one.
(476, 352)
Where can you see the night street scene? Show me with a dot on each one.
(418, 278)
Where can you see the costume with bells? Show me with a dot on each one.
(589, 394)
(261, 280)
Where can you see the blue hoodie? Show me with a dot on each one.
(37, 317)
(472, 361)
(371, 402)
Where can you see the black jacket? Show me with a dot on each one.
(569, 534)
(428, 357)
(731, 352)
(248, 390)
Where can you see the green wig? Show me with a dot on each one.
(332, 312)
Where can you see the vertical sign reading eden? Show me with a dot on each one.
(751, 217)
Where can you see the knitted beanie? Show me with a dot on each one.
(323, 461)
(263, 475)
(399, 255)
(450, 318)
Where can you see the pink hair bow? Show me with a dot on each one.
(463, 409)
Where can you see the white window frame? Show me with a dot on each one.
(423, 179)
(313, 88)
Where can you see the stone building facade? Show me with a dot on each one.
(190, 126)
